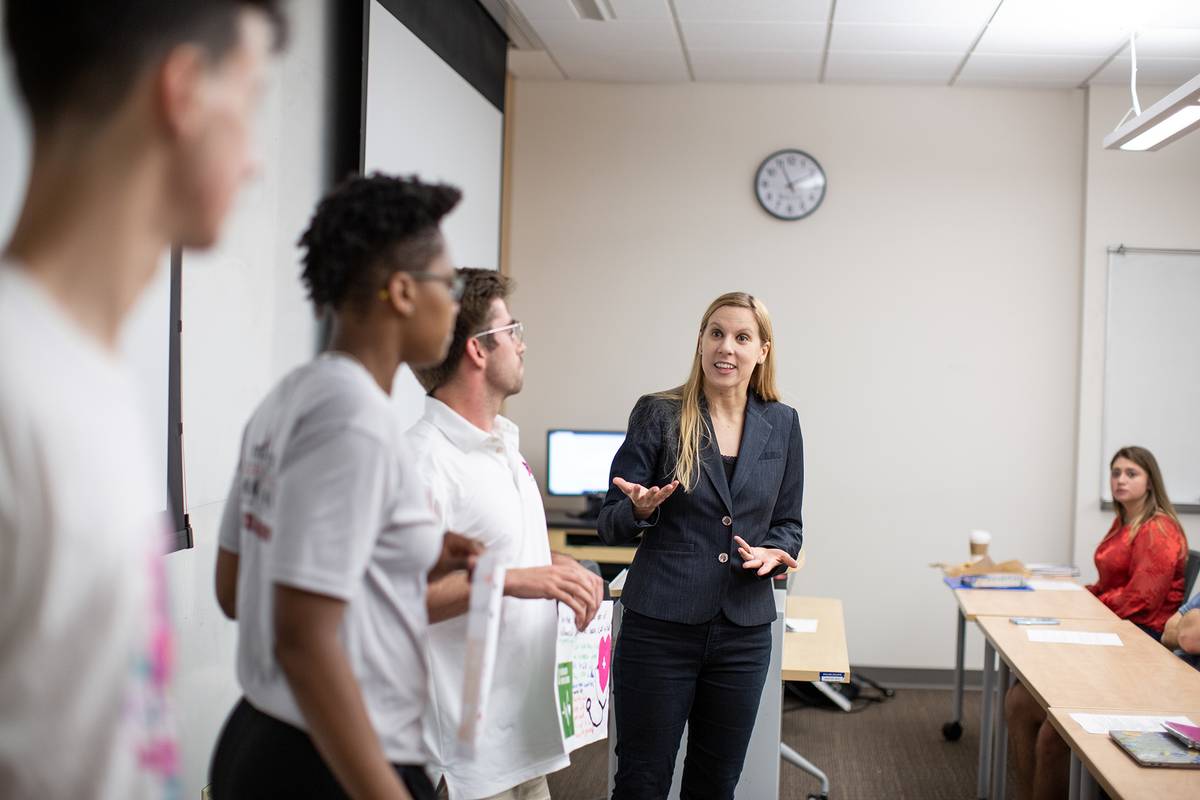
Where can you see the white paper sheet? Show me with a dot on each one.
(1074, 637)
(483, 629)
(583, 668)
(798, 625)
(1051, 585)
(1103, 723)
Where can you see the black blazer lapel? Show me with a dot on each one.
(756, 432)
(710, 460)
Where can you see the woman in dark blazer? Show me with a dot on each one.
(711, 476)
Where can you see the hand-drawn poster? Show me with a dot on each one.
(583, 668)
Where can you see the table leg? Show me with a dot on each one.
(985, 720)
(952, 730)
(1000, 765)
(795, 759)
(1073, 786)
(1088, 788)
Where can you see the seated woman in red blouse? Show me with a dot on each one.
(1141, 563)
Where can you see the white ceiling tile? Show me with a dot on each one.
(546, 9)
(753, 10)
(1169, 43)
(588, 36)
(753, 35)
(640, 9)
(1173, 71)
(861, 66)
(911, 12)
(725, 65)
(535, 65)
(647, 66)
(1078, 40)
(1127, 14)
(1032, 67)
(897, 38)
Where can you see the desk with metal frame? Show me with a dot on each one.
(1077, 676)
(975, 603)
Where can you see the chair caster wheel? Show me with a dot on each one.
(818, 797)
(952, 731)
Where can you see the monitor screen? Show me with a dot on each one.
(577, 462)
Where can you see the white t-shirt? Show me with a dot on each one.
(84, 638)
(481, 487)
(324, 501)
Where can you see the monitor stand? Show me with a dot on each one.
(594, 501)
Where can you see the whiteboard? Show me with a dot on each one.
(1152, 364)
(423, 117)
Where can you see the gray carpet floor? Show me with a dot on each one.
(890, 751)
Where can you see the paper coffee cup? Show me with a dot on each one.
(979, 543)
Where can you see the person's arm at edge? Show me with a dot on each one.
(311, 656)
(1189, 632)
(1170, 635)
(225, 574)
(226, 581)
(566, 581)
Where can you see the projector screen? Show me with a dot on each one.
(422, 117)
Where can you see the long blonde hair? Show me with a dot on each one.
(1157, 501)
(693, 431)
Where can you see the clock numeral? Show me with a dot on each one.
(791, 159)
(771, 171)
(765, 184)
(770, 196)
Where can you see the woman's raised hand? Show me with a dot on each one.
(645, 500)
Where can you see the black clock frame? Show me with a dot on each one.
(763, 164)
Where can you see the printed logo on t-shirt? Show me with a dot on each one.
(258, 488)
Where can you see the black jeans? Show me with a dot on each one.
(665, 674)
(259, 757)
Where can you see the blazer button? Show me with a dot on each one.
(726, 521)
(723, 557)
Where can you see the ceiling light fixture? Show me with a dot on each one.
(1171, 118)
(595, 10)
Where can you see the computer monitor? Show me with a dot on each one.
(577, 462)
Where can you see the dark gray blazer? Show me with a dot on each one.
(687, 567)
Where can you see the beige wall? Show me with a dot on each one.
(926, 316)
(1139, 200)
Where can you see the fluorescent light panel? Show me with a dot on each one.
(1176, 115)
(1182, 121)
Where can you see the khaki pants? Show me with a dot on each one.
(533, 789)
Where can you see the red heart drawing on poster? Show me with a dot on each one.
(603, 662)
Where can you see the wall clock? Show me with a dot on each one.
(789, 184)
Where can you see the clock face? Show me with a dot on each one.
(789, 184)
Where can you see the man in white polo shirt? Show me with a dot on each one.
(481, 487)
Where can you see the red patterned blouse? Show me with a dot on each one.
(1143, 581)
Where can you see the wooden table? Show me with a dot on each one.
(1135, 676)
(976, 603)
(1113, 769)
(1132, 676)
(1080, 604)
(821, 655)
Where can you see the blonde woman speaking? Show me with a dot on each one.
(711, 476)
